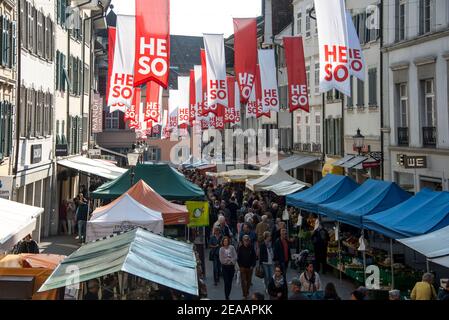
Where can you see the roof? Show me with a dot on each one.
(296, 161)
(172, 213)
(426, 212)
(272, 177)
(329, 189)
(93, 166)
(139, 252)
(371, 197)
(284, 188)
(17, 220)
(165, 180)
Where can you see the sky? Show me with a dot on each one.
(195, 17)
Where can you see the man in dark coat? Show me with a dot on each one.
(320, 241)
(281, 251)
(246, 258)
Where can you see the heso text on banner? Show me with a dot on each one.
(268, 81)
(298, 97)
(153, 106)
(333, 46)
(152, 55)
(245, 46)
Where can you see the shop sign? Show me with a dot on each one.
(94, 152)
(36, 153)
(198, 213)
(62, 150)
(97, 114)
(6, 187)
(370, 164)
(412, 162)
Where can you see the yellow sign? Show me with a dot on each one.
(198, 213)
(328, 168)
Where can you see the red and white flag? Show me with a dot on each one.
(356, 58)
(153, 106)
(268, 81)
(183, 100)
(230, 110)
(260, 111)
(111, 49)
(237, 104)
(245, 55)
(121, 81)
(217, 94)
(333, 46)
(132, 114)
(165, 128)
(152, 37)
(173, 107)
(192, 98)
(298, 97)
(199, 97)
(251, 105)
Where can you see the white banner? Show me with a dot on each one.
(165, 134)
(333, 44)
(122, 80)
(183, 100)
(217, 92)
(268, 81)
(173, 103)
(238, 117)
(356, 57)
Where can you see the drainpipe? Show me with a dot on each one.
(382, 144)
(18, 89)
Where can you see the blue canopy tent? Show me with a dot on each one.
(329, 189)
(371, 197)
(426, 212)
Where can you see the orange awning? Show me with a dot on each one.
(30, 260)
(141, 192)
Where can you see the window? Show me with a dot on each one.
(23, 111)
(403, 105)
(333, 143)
(154, 154)
(31, 113)
(39, 112)
(350, 100)
(34, 28)
(317, 128)
(30, 26)
(40, 33)
(75, 134)
(307, 129)
(112, 120)
(425, 16)
(299, 23)
(427, 87)
(317, 78)
(48, 114)
(372, 82)
(36, 113)
(7, 42)
(308, 24)
(61, 12)
(400, 20)
(360, 93)
(6, 116)
(48, 40)
(86, 84)
(361, 27)
(23, 18)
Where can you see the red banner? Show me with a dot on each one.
(230, 110)
(192, 98)
(132, 114)
(111, 48)
(298, 98)
(258, 88)
(152, 57)
(152, 106)
(245, 46)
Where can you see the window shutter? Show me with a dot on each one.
(58, 137)
(2, 129)
(421, 16)
(14, 43)
(64, 76)
(80, 134)
(35, 15)
(58, 72)
(10, 118)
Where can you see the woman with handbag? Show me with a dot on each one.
(266, 258)
(214, 253)
(228, 259)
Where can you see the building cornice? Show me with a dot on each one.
(426, 151)
(416, 41)
(400, 65)
(421, 61)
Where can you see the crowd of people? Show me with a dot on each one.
(247, 235)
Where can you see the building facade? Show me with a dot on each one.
(416, 68)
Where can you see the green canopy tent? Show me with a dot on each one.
(138, 252)
(161, 177)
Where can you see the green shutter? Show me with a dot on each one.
(14, 43)
(2, 129)
(57, 70)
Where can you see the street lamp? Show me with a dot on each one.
(133, 159)
(359, 141)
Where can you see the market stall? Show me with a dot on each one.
(329, 189)
(136, 257)
(17, 220)
(284, 188)
(165, 180)
(237, 175)
(120, 215)
(272, 176)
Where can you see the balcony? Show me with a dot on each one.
(429, 137)
(316, 147)
(403, 138)
(306, 147)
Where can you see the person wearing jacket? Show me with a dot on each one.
(424, 289)
(214, 245)
(246, 259)
(228, 258)
(266, 258)
(281, 251)
(277, 288)
(444, 294)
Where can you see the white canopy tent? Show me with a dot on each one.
(17, 220)
(272, 176)
(285, 188)
(433, 245)
(122, 215)
(97, 167)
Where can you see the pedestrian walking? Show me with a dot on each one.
(277, 288)
(63, 217)
(320, 241)
(214, 254)
(310, 280)
(246, 258)
(71, 209)
(81, 217)
(330, 292)
(424, 290)
(228, 259)
(261, 227)
(281, 251)
(266, 258)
